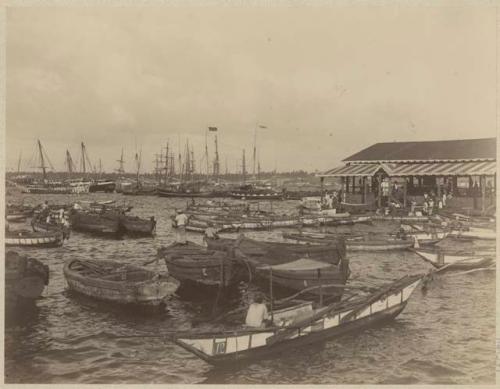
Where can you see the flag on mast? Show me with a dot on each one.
(212, 128)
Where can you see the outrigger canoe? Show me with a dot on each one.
(118, 283)
(456, 261)
(25, 238)
(292, 329)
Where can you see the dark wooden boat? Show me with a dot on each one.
(118, 283)
(195, 264)
(136, 226)
(42, 226)
(294, 328)
(16, 217)
(170, 193)
(354, 243)
(102, 223)
(456, 260)
(107, 186)
(292, 267)
(256, 195)
(25, 238)
(25, 279)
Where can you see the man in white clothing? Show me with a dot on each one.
(180, 221)
(257, 313)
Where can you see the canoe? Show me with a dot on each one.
(25, 278)
(300, 327)
(355, 243)
(292, 267)
(256, 195)
(425, 236)
(473, 233)
(335, 220)
(104, 224)
(416, 219)
(166, 193)
(25, 238)
(17, 217)
(456, 261)
(192, 263)
(136, 226)
(118, 283)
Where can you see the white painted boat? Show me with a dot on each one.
(457, 261)
(474, 233)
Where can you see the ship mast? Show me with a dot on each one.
(19, 162)
(254, 149)
(121, 170)
(216, 161)
(206, 151)
(244, 169)
(69, 162)
(42, 162)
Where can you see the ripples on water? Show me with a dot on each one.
(444, 336)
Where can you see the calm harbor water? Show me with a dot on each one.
(444, 336)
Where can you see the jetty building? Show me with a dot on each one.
(404, 171)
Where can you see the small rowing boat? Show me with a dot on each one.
(25, 238)
(424, 236)
(195, 264)
(294, 328)
(104, 223)
(136, 226)
(118, 283)
(457, 260)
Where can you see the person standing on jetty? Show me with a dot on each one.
(180, 222)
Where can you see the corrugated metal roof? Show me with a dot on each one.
(443, 169)
(445, 150)
(361, 170)
(415, 169)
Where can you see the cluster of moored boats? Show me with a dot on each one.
(305, 272)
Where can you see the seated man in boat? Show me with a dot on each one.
(257, 315)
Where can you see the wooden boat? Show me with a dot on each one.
(473, 233)
(217, 206)
(403, 219)
(105, 223)
(118, 283)
(134, 225)
(457, 260)
(256, 194)
(25, 278)
(354, 243)
(107, 186)
(335, 220)
(192, 263)
(16, 217)
(292, 267)
(25, 238)
(294, 328)
(424, 236)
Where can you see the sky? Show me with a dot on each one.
(326, 81)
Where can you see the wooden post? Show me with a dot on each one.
(353, 184)
(379, 190)
(364, 190)
(405, 185)
(438, 184)
(483, 193)
(322, 182)
(347, 184)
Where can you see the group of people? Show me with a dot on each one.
(59, 217)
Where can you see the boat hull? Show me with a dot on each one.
(144, 293)
(104, 225)
(136, 226)
(35, 239)
(220, 350)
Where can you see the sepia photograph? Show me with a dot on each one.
(262, 192)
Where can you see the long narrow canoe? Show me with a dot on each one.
(300, 327)
(26, 238)
(118, 283)
(473, 233)
(456, 261)
(355, 243)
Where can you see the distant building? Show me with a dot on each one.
(466, 169)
